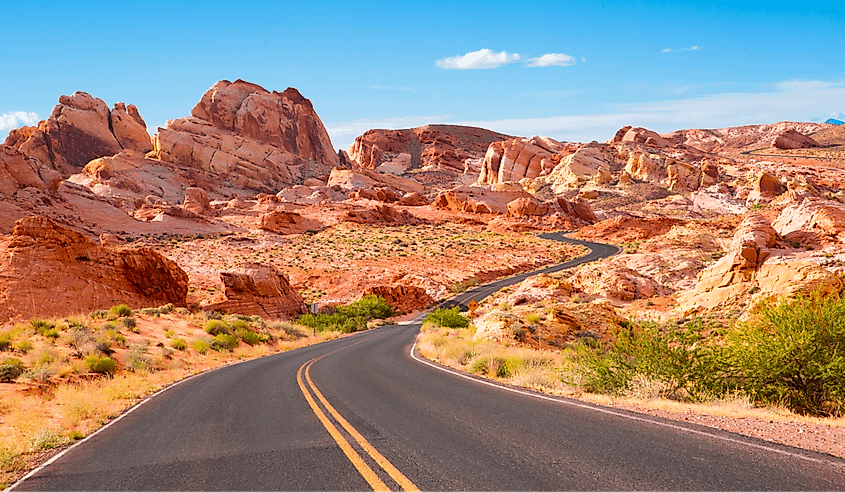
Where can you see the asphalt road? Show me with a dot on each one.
(362, 412)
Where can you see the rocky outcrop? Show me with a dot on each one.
(614, 281)
(527, 206)
(639, 135)
(401, 297)
(629, 228)
(287, 223)
(367, 179)
(196, 201)
(444, 147)
(766, 188)
(792, 139)
(729, 276)
(538, 288)
(381, 214)
(515, 159)
(252, 137)
(734, 139)
(811, 222)
(592, 163)
(478, 200)
(48, 270)
(258, 289)
(79, 129)
(18, 171)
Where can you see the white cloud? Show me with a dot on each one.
(551, 59)
(790, 101)
(691, 48)
(478, 59)
(17, 119)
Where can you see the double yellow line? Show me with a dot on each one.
(303, 376)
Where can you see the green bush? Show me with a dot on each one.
(5, 340)
(247, 336)
(8, 373)
(179, 344)
(100, 364)
(224, 342)
(98, 315)
(349, 318)
(200, 346)
(136, 358)
(448, 317)
(216, 327)
(678, 356)
(792, 353)
(496, 366)
(121, 311)
(130, 323)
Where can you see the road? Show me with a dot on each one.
(364, 413)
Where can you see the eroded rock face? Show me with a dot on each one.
(258, 289)
(18, 171)
(478, 200)
(47, 270)
(255, 138)
(401, 297)
(81, 128)
(725, 280)
(196, 201)
(639, 135)
(445, 147)
(367, 179)
(792, 139)
(515, 159)
(814, 219)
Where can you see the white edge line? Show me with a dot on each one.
(623, 415)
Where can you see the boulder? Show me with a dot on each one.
(129, 128)
(258, 289)
(824, 219)
(766, 188)
(539, 288)
(639, 135)
(477, 200)
(48, 270)
(527, 206)
(792, 139)
(287, 223)
(196, 200)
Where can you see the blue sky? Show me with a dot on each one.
(574, 71)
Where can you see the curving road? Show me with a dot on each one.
(364, 413)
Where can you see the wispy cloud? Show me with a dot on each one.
(788, 101)
(669, 50)
(16, 119)
(551, 59)
(392, 88)
(483, 58)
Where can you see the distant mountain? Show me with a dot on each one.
(832, 121)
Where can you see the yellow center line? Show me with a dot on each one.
(391, 470)
(362, 467)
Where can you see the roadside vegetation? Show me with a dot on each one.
(349, 318)
(790, 353)
(62, 379)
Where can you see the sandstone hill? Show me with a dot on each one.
(245, 206)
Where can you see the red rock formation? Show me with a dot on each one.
(47, 270)
(527, 206)
(639, 135)
(478, 200)
(733, 139)
(257, 289)
(401, 297)
(287, 223)
(255, 138)
(629, 228)
(438, 146)
(515, 159)
(18, 171)
(196, 200)
(792, 139)
(79, 129)
(381, 214)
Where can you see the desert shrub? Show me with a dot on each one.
(48, 440)
(448, 317)
(215, 327)
(5, 340)
(224, 342)
(496, 366)
(169, 334)
(201, 346)
(288, 328)
(98, 315)
(8, 373)
(136, 358)
(792, 353)
(532, 318)
(121, 311)
(100, 364)
(349, 318)
(679, 356)
(247, 336)
(179, 344)
(115, 336)
(24, 346)
(130, 323)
